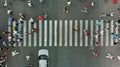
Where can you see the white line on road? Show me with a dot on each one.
(55, 32)
(76, 34)
(45, 33)
(91, 32)
(86, 28)
(24, 35)
(102, 33)
(65, 32)
(112, 31)
(60, 32)
(81, 32)
(29, 36)
(40, 33)
(70, 33)
(35, 34)
(107, 35)
(14, 39)
(50, 32)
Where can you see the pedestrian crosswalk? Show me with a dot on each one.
(63, 33)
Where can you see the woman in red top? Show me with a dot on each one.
(96, 54)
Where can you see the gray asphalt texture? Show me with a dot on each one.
(62, 56)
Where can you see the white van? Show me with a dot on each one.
(43, 57)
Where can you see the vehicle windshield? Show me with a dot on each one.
(43, 57)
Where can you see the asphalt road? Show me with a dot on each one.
(67, 57)
(63, 56)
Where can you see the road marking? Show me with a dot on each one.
(102, 34)
(9, 27)
(86, 37)
(14, 39)
(107, 35)
(112, 30)
(35, 35)
(24, 35)
(40, 33)
(76, 34)
(50, 32)
(96, 30)
(55, 32)
(29, 36)
(91, 32)
(65, 32)
(70, 33)
(81, 32)
(116, 31)
(60, 34)
(45, 33)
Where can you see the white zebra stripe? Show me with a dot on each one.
(76, 34)
(29, 30)
(60, 34)
(81, 32)
(112, 30)
(116, 31)
(35, 35)
(86, 28)
(91, 32)
(107, 35)
(45, 33)
(40, 33)
(24, 31)
(55, 32)
(96, 29)
(14, 39)
(70, 32)
(50, 32)
(9, 27)
(102, 33)
(65, 32)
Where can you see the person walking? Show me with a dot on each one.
(76, 28)
(68, 3)
(109, 56)
(95, 53)
(65, 9)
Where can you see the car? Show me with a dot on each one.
(43, 56)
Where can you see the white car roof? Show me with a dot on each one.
(43, 52)
(42, 63)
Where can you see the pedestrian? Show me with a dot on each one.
(26, 33)
(87, 33)
(6, 4)
(40, 18)
(95, 53)
(92, 4)
(34, 30)
(114, 35)
(68, 3)
(99, 23)
(9, 12)
(65, 9)
(29, 3)
(84, 10)
(97, 44)
(102, 32)
(109, 56)
(118, 57)
(76, 28)
(27, 57)
(20, 39)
